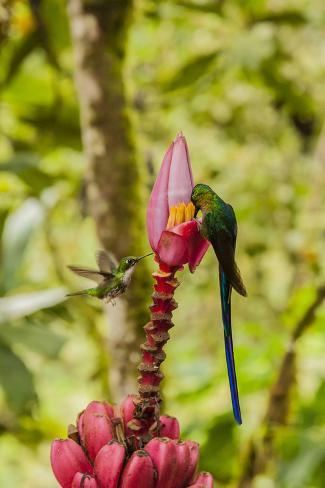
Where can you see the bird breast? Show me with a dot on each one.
(127, 276)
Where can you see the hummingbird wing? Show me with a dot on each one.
(224, 246)
(106, 261)
(91, 274)
(225, 293)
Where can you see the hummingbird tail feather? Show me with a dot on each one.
(237, 282)
(232, 378)
(225, 292)
(76, 293)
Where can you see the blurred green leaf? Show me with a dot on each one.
(17, 232)
(24, 47)
(35, 337)
(218, 453)
(17, 306)
(192, 71)
(25, 166)
(298, 304)
(204, 7)
(311, 455)
(314, 412)
(292, 17)
(53, 12)
(3, 215)
(17, 381)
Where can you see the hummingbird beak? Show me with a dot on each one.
(146, 255)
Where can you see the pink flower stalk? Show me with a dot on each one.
(172, 230)
(175, 238)
(83, 462)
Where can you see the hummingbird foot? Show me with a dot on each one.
(107, 300)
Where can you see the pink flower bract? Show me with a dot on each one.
(181, 243)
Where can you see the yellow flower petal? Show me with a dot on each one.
(180, 213)
(189, 211)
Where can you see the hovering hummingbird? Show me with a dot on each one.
(219, 226)
(112, 277)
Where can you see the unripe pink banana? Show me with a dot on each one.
(183, 461)
(96, 427)
(127, 410)
(169, 427)
(84, 481)
(139, 471)
(109, 464)
(163, 454)
(194, 451)
(204, 480)
(68, 458)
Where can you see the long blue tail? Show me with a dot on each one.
(225, 291)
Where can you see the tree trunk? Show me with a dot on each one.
(5, 17)
(99, 35)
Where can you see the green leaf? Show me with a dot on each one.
(298, 304)
(220, 445)
(18, 229)
(191, 72)
(56, 21)
(206, 7)
(25, 166)
(18, 306)
(34, 337)
(293, 17)
(17, 381)
(23, 49)
(312, 455)
(3, 216)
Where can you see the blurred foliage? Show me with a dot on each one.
(245, 82)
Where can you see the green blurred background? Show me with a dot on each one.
(244, 81)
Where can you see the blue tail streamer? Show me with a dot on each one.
(225, 291)
(232, 378)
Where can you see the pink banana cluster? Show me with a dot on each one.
(100, 453)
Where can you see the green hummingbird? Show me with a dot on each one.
(112, 277)
(219, 226)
